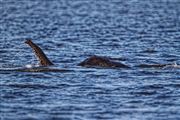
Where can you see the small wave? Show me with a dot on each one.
(33, 86)
(149, 50)
(34, 68)
(175, 65)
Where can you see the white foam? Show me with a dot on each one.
(174, 65)
(28, 66)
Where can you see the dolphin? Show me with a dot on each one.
(93, 61)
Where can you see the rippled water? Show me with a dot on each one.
(138, 31)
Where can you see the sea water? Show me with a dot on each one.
(130, 31)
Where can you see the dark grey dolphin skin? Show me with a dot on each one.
(101, 62)
(93, 61)
(44, 61)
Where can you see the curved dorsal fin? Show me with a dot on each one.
(43, 59)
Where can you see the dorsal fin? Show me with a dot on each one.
(43, 59)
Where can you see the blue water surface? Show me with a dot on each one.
(130, 31)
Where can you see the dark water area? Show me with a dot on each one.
(130, 31)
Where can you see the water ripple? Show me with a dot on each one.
(132, 32)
